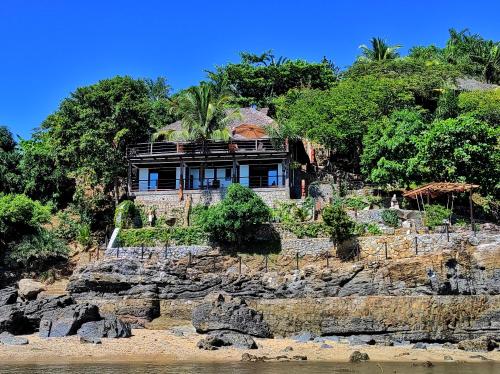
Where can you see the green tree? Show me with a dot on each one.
(338, 118)
(257, 79)
(389, 145)
(92, 127)
(484, 105)
(379, 50)
(10, 180)
(236, 217)
(462, 149)
(340, 225)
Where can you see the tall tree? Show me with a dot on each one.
(379, 50)
(10, 180)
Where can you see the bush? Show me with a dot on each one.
(390, 218)
(191, 235)
(289, 212)
(435, 215)
(370, 228)
(36, 251)
(306, 229)
(147, 236)
(127, 215)
(236, 217)
(340, 225)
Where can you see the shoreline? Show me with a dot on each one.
(163, 346)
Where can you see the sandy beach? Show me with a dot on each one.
(165, 346)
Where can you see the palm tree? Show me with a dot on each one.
(379, 50)
(487, 55)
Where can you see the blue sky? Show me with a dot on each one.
(50, 47)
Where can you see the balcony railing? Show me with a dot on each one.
(164, 184)
(213, 147)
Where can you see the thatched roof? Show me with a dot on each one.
(439, 188)
(469, 84)
(248, 116)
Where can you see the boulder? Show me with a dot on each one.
(8, 296)
(304, 337)
(481, 344)
(358, 356)
(111, 327)
(217, 339)
(9, 339)
(419, 345)
(46, 307)
(12, 319)
(68, 320)
(234, 315)
(29, 288)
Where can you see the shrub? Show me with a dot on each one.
(289, 212)
(147, 236)
(435, 215)
(340, 225)
(236, 217)
(127, 215)
(35, 251)
(306, 229)
(370, 228)
(191, 235)
(67, 227)
(390, 218)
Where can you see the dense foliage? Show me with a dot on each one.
(340, 225)
(236, 217)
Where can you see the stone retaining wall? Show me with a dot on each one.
(172, 252)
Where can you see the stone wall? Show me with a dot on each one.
(172, 252)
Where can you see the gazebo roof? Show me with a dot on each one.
(439, 188)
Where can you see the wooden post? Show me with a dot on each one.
(239, 265)
(471, 213)
(416, 245)
(189, 258)
(327, 259)
(142, 251)
(297, 259)
(266, 262)
(385, 244)
(447, 232)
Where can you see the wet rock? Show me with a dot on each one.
(234, 315)
(12, 319)
(481, 344)
(110, 327)
(8, 296)
(304, 337)
(9, 339)
(218, 339)
(358, 356)
(29, 288)
(419, 345)
(68, 320)
(448, 358)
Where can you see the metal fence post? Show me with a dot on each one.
(189, 258)
(327, 259)
(266, 262)
(297, 259)
(447, 233)
(142, 251)
(416, 245)
(385, 244)
(239, 265)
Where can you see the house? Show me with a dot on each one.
(170, 172)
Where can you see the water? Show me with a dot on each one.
(254, 368)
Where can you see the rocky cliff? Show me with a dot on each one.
(448, 295)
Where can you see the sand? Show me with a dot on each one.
(165, 346)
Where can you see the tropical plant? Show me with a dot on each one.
(235, 219)
(390, 217)
(436, 215)
(10, 180)
(203, 115)
(379, 50)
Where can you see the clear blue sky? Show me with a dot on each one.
(50, 47)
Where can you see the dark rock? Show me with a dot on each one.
(247, 357)
(479, 357)
(8, 296)
(12, 320)
(449, 345)
(234, 315)
(481, 344)
(361, 340)
(288, 349)
(304, 337)
(46, 307)
(90, 340)
(325, 346)
(425, 364)
(9, 339)
(358, 356)
(299, 358)
(419, 345)
(448, 358)
(219, 339)
(68, 320)
(110, 327)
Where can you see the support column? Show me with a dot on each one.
(129, 179)
(234, 172)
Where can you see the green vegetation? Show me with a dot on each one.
(390, 218)
(340, 226)
(161, 236)
(399, 121)
(236, 218)
(436, 215)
